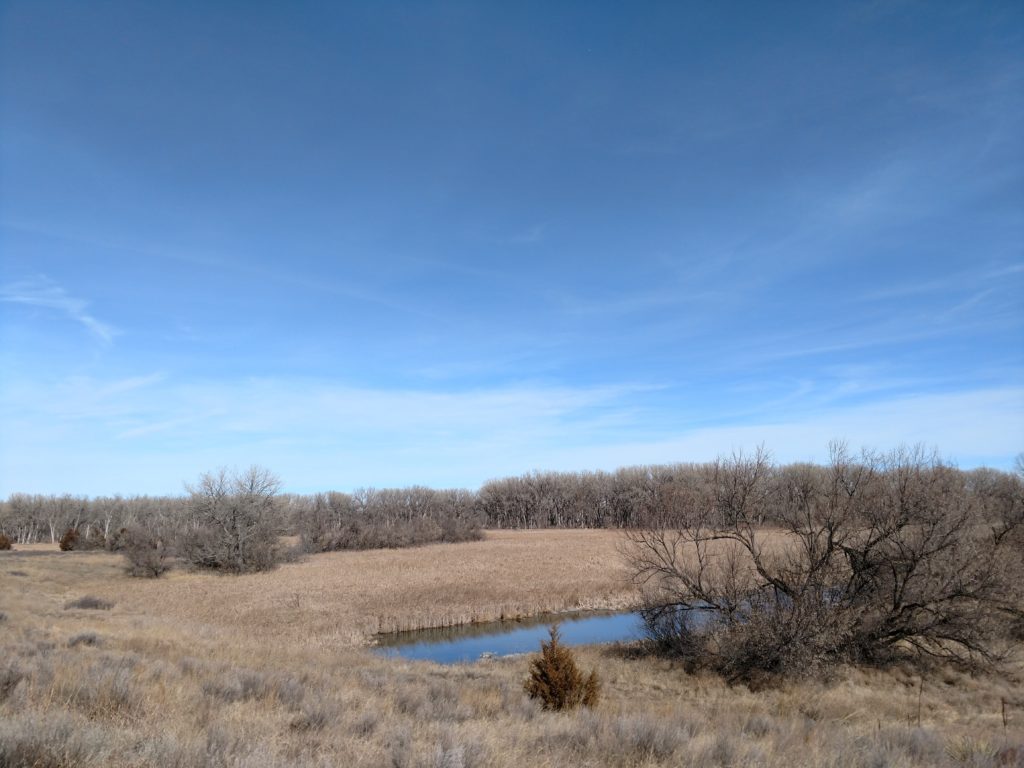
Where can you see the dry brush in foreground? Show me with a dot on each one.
(178, 673)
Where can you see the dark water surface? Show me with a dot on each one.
(467, 643)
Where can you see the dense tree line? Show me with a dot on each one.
(374, 519)
(32, 518)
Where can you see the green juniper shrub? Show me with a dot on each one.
(556, 680)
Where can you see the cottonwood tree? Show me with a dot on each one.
(870, 557)
(235, 521)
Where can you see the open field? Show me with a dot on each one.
(270, 669)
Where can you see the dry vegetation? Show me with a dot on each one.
(199, 669)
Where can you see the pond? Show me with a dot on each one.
(470, 642)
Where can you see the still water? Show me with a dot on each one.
(467, 643)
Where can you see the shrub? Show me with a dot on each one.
(5, 542)
(146, 553)
(69, 540)
(84, 638)
(556, 680)
(386, 519)
(237, 522)
(116, 541)
(91, 603)
(93, 539)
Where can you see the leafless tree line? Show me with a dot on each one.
(374, 519)
(32, 518)
(628, 498)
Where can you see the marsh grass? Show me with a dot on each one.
(186, 675)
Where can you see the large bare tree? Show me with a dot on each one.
(236, 519)
(865, 558)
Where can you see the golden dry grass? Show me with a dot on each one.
(344, 598)
(269, 669)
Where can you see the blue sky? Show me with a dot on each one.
(395, 243)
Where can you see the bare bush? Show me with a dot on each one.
(90, 603)
(556, 680)
(389, 518)
(236, 521)
(5, 542)
(84, 638)
(876, 556)
(146, 552)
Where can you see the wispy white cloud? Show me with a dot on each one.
(42, 292)
(147, 434)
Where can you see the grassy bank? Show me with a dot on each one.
(271, 669)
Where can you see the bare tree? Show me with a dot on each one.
(870, 557)
(236, 521)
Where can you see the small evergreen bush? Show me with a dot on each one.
(556, 680)
(69, 540)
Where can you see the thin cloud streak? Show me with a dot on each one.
(42, 292)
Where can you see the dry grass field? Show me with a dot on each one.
(272, 670)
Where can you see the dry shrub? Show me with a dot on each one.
(556, 680)
(147, 553)
(237, 520)
(314, 715)
(84, 638)
(69, 540)
(10, 676)
(90, 603)
(5, 542)
(93, 539)
(878, 555)
(54, 740)
(104, 689)
(387, 519)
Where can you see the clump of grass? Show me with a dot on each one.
(643, 737)
(104, 689)
(10, 676)
(54, 740)
(966, 750)
(84, 638)
(366, 723)
(90, 603)
(398, 743)
(556, 680)
(314, 715)
(241, 685)
(246, 684)
(455, 752)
